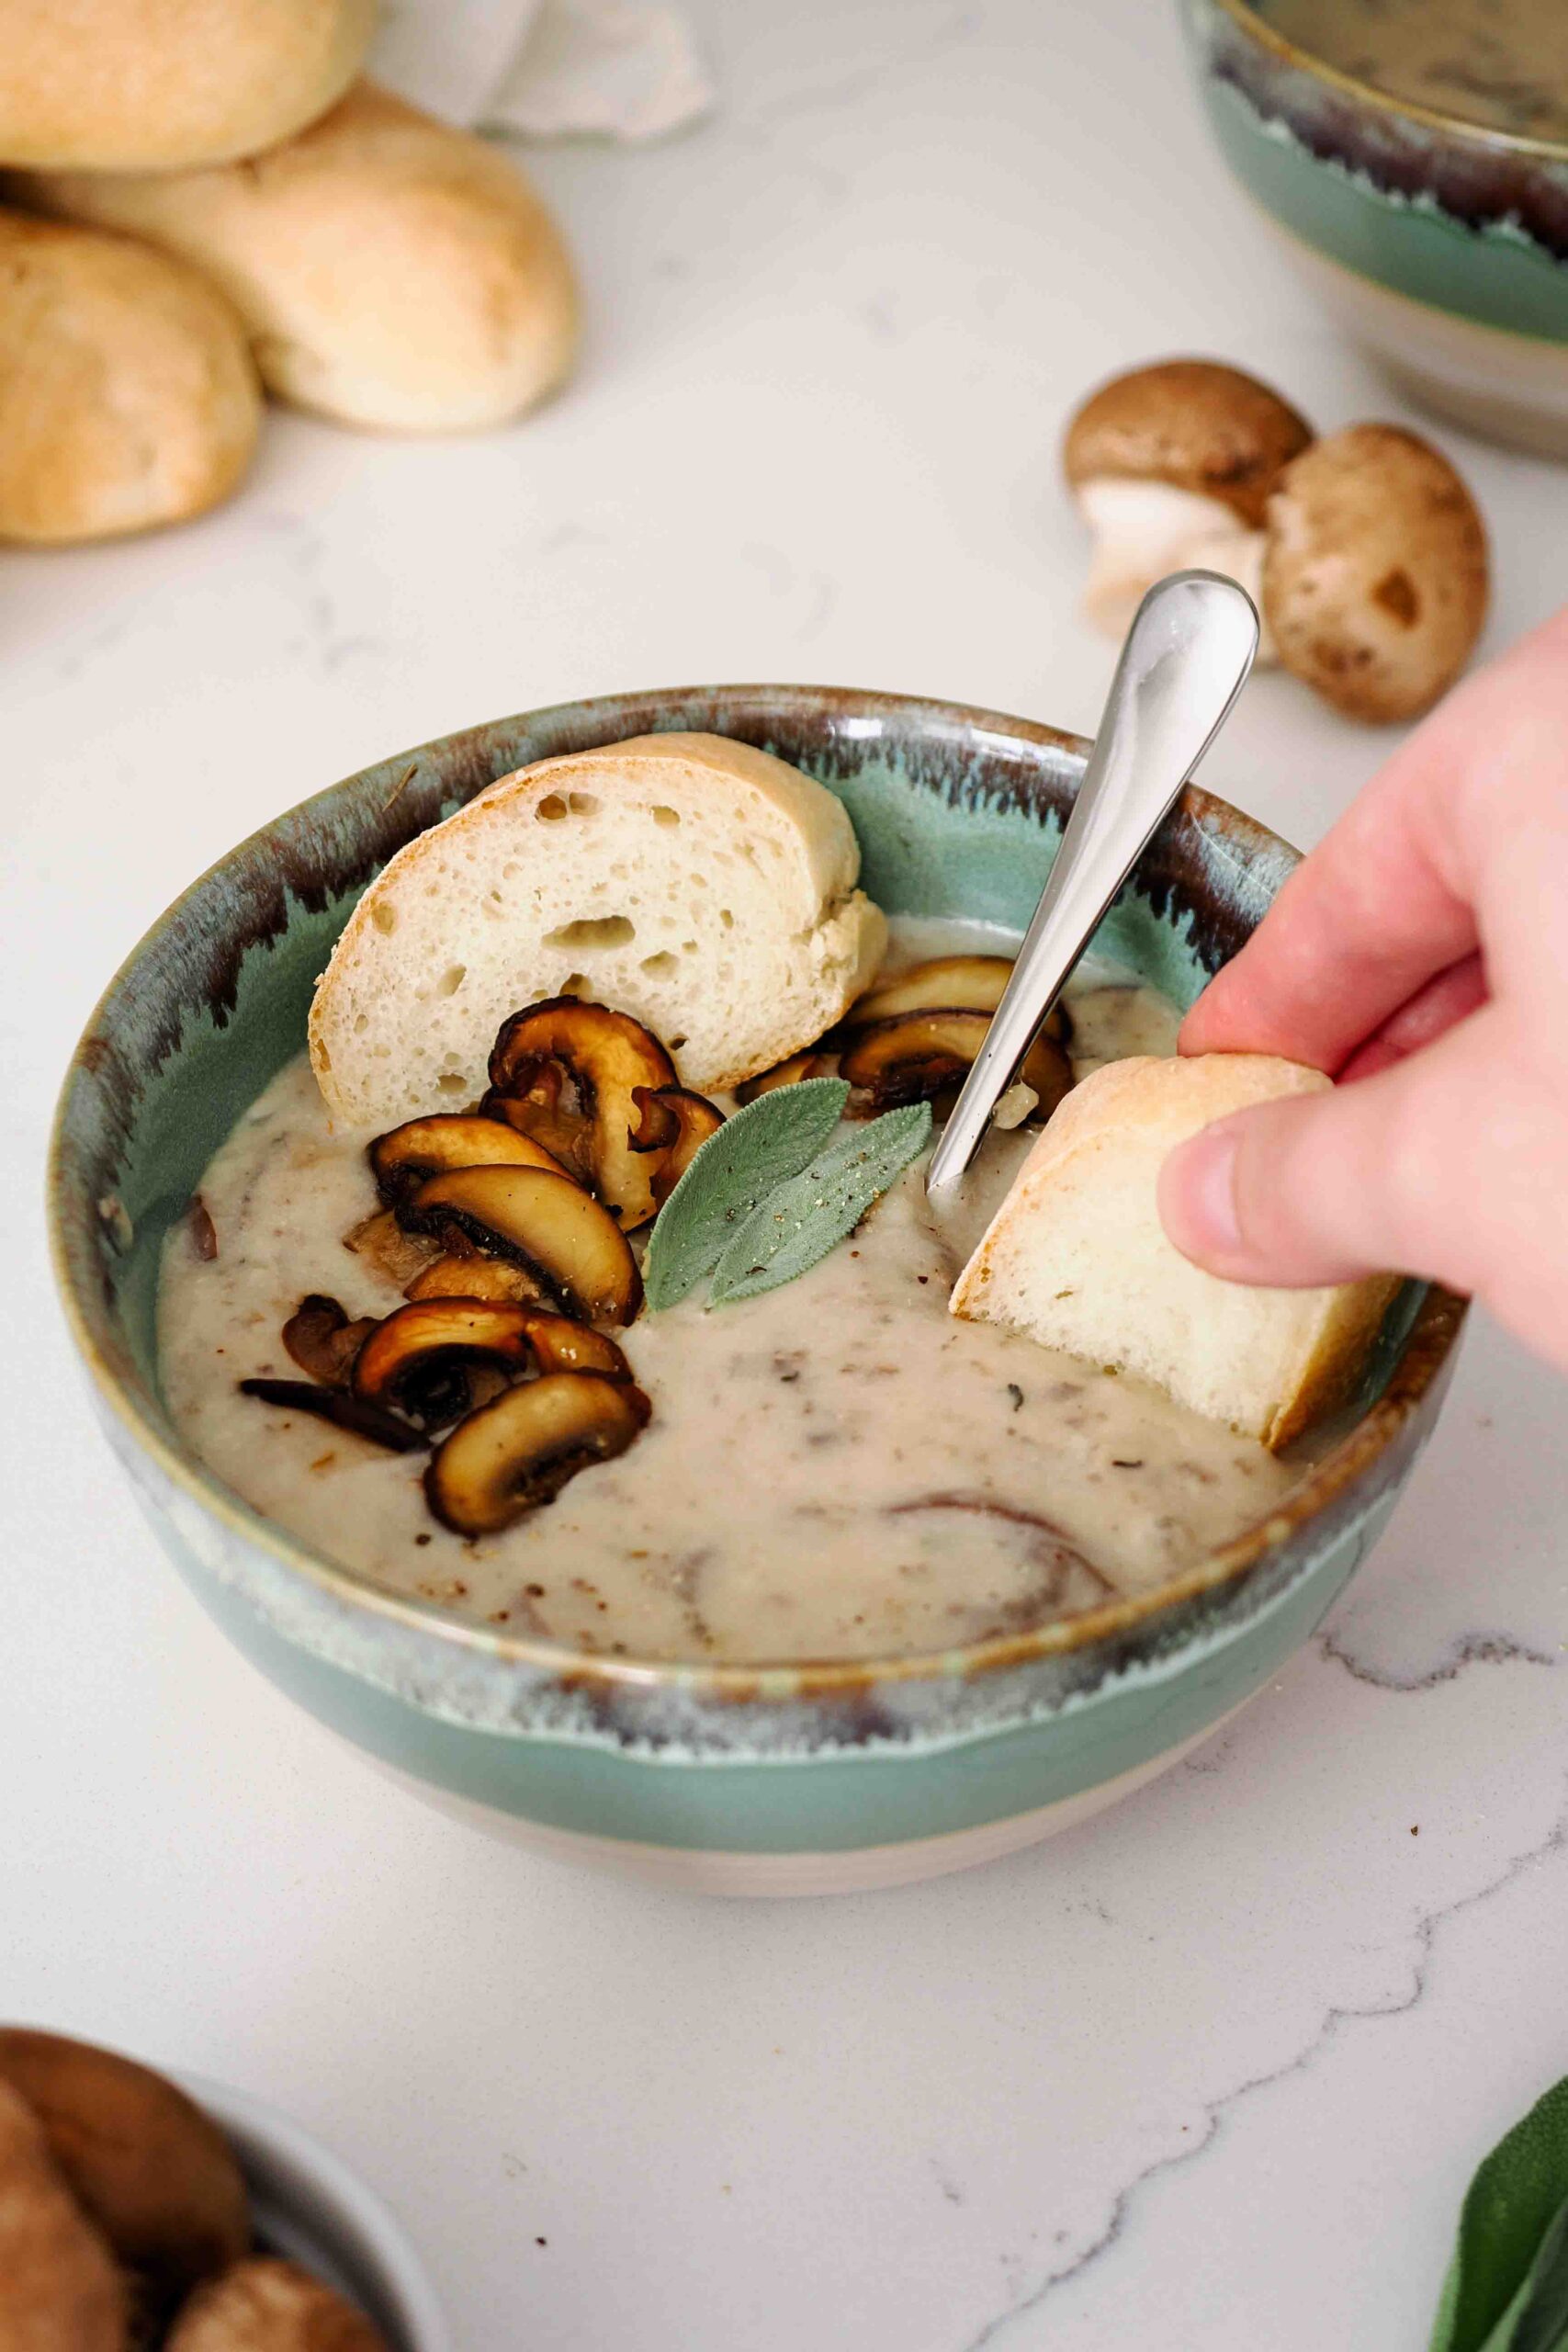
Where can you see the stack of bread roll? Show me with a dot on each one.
(200, 200)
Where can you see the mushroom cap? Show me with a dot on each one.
(1192, 423)
(1375, 572)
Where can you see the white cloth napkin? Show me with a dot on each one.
(621, 67)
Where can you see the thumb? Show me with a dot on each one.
(1323, 1188)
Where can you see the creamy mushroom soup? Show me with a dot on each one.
(1501, 62)
(836, 1469)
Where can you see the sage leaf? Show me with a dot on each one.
(753, 1153)
(1510, 2260)
(1542, 2325)
(803, 1219)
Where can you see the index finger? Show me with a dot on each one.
(1387, 900)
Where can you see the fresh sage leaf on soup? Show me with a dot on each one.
(803, 1219)
(753, 1153)
(1506, 2289)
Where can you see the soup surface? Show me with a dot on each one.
(1500, 63)
(837, 1469)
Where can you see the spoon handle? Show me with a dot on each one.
(1185, 661)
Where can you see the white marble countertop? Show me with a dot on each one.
(1211, 2072)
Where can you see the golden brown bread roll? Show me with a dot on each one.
(1077, 1256)
(128, 397)
(392, 272)
(162, 85)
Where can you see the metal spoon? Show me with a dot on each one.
(1184, 663)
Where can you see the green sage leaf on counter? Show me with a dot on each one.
(1506, 2289)
(1542, 2323)
(803, 1219)
(759, 1149)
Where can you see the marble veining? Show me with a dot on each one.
(1464, 1652)
(1425, 1932)
(918, 2089)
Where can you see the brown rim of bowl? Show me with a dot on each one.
(1431, 1339)
(1516, 143)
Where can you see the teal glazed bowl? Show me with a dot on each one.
(1440, 244)
(779, 1780)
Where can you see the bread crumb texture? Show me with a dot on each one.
(1077, 1256)
(700, 885)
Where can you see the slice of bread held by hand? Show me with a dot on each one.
(1077, 1256)
(705, 887)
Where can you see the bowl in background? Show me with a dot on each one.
(1440, 244)
(311, 2209)
(773, 1780)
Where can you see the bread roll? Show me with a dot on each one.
(392, 272)
(1077, 1256)
(126, 393)
(154, 85)
(703, 886)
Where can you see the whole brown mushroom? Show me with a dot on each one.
(1172, 466)
(1375, 574)
(1364, 552)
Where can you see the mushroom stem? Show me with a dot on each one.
(1144, 530)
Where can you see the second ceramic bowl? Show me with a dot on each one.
(768, 1780)
(1441, 244)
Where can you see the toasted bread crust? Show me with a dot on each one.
(801, 943)
(1313, 1344)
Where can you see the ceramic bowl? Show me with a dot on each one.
(779, 1780)
(311, 2209)
(1440, 244)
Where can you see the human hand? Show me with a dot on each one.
(1420, 956)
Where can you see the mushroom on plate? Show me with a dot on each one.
(146, 2167)
(1171, 467)
(265, 2305)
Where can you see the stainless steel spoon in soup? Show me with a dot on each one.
(1185, 661)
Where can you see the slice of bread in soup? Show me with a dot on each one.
(705, 887)
(1077, 1256)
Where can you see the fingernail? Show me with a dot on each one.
(1198, 1196)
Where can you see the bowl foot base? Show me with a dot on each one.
(716, 1870)
(1507, 387)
